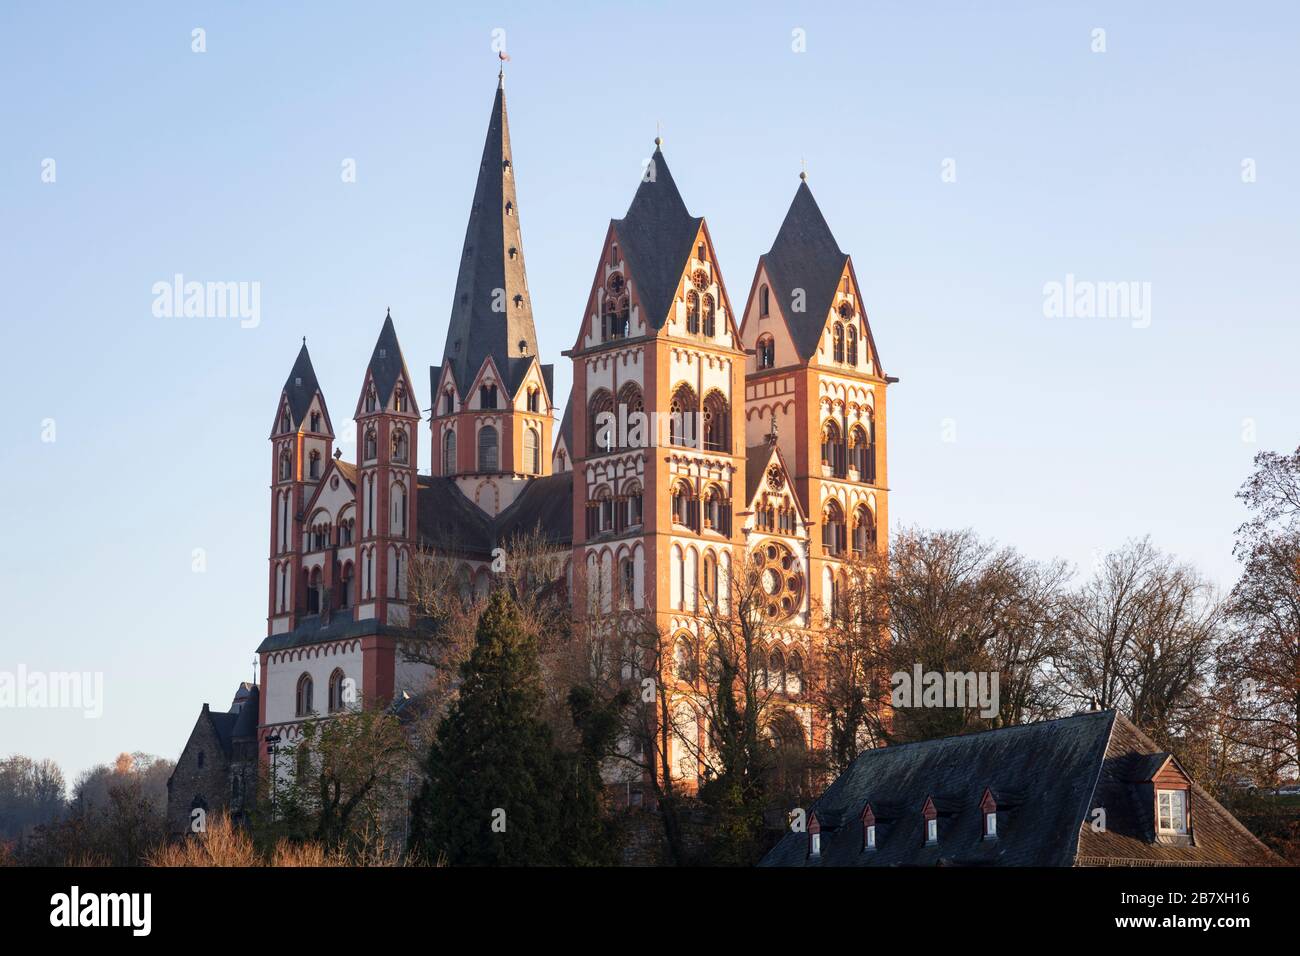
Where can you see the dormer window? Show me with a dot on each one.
(931, 832)
(1172, 807)
(815, 844)
(869, 841)
(868, 828)
(990, 826)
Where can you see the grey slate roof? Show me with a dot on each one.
(449, 522)
(1055, 761)
(301, 386)
(805, 256)
(545, 506)
(476, 331)
(566, 425)
(386, 362)
(656, 237)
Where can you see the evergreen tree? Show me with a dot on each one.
(493, 792)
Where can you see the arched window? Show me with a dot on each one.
(630, 403)
(833, 528)
(399, 399)
(710, 316)
(371, 401)
(371, 449)
(632, 505)
(336, 701)
(710, 576)
(487, 396)
(794, 674)
(716, 513)
(304, 707)
(600, 511)
(867, 471)
(313, 592)
(448, 402)
(682, 412)
(833, 448)
(683, 504)
(864, 530)
(684, 666)
(716, 420)
(692, 312)
(532, 453)
(286, 464)
(399, 445)
(313, 465)
(399, 509)
(534, 400)
(764, 301)
(286, 423)
(315, 421)
(601, 422)
(627, 581)
(858, 452)
(766, 351)
(837, 339)
(487, 449)
(345, 584)
(776, 670)
(449, 452)
(853, 346)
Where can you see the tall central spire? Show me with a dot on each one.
(492, 313)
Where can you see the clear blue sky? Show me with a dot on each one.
(1072, 434)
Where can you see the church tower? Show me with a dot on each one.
(388, 423)
(301, 440)
(492, 406)
(657, 418)
(814, 373)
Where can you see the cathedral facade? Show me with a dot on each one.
(701, 441)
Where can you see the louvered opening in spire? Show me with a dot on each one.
(492, 312)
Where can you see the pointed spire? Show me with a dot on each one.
(301, 385)
(386, 362)
(492, 313)
(805, 256)
(657, 235)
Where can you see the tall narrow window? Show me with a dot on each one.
(449, 452)
(692, 312)
(764, 302)
(852, 356)
(837, 340)
(487, 396)
(716, 415)
(286, 464)
(766, 352)
(371, 448)
(833, 449)
(399, 445)
(833, 528)
(303, 701)
(315, 421)
(532, 455)
(601, 422)
(710, 316)
(487, 449)
(448, 402)
(313, 465)
(682, 412)
(336, 690)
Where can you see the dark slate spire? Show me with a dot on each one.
(656, 237)
(386, 362)
(805, 256)
(301, 386)
(484, 321)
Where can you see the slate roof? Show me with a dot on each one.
(477, 329)
(301, 386)
(386, 362)
(1053, 773)
(449, 522)
(545, 506)
(756, 459)
(805, 256)
(348, 471)
(240, 721)
(566, 425)
(656, 237)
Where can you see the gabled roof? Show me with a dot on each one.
(1049, 776)
(478, 328)
(656, 236)
(544, 506)
(805, 256)
(448, 522)
(300, 388)
(566, 426)
(757, 460)
(387, 365)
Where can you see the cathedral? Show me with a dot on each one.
(696, 437)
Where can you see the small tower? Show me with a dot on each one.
(388, 422)
(301, 441)
(492, 407)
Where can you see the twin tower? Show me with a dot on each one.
(698, 441)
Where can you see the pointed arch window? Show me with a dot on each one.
(488, 459)
(682, 414)
(399, 399)
(794, 674)
(776, 671)
(336, 701)
(399, 445)
(399, 509)
(852, 354)
(684, 664)
(864, 531)
(286, 423)
(837, 340)
(532, 452)
(372, 402)
(448, 402)
(764, 302)
(833, 448)
(716, 419)
(710, 316)
(601, 423)
(833, 528)
(449, 452)
(286, 464)
(693, 312)
(766, 352)
(862, 449)
(303, 703)
(315, 421)
(630, 403)
(371, 450)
